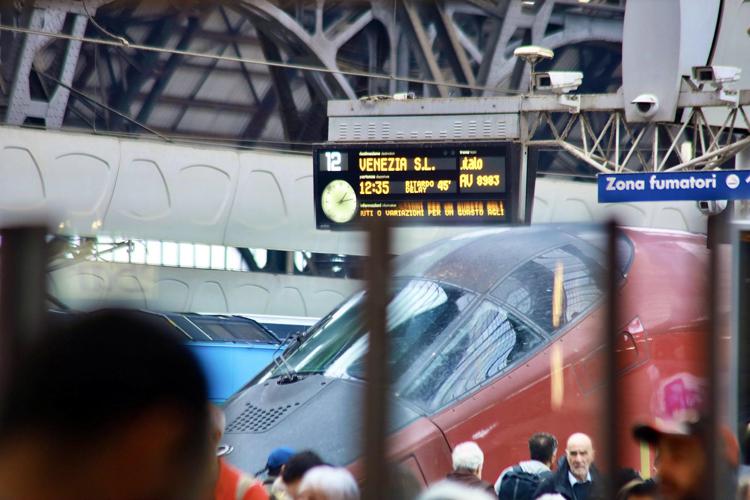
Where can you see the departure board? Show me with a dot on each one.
(428, 184)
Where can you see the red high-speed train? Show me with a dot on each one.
(474, 328)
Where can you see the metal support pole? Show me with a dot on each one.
(523, 127)
(612, 399)
(742, 207)
(23, 266)
(376, 392)
(739, 380)
(522, 176)
(716, 470)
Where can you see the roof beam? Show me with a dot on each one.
(423, 41)
(167, 100)
(135, 79)
(259, 119)
(208, 69)
(165, 75)
(227, 37)
(289, 114)
(237, 52)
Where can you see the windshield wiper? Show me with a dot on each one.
(290, 375)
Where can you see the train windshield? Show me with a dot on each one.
(453, 325)
(419, 314)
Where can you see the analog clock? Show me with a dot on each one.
(339, 201)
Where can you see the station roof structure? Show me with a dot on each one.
(208, 78)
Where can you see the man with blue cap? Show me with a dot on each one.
(276, 460)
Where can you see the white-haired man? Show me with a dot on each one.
(468, 460)
(448, 490)
(328, 483)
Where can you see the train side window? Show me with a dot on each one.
(529, 290)
(485, 345)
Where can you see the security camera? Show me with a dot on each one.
(558, 82)
(711, 207)
(646, 104)
(716, 75)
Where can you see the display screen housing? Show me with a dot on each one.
(416, 184)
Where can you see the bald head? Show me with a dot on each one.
(580, 454)
(580, 439)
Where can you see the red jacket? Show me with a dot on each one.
(232, 482)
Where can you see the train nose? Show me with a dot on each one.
(315, 413)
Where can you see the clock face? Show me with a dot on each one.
(339, 201)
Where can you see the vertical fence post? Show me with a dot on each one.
(712, 404)
(376, 410)
(739, 381)
(612, 399)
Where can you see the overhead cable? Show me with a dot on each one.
(101, 104)
(121, 42)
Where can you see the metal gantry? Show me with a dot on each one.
(600, 136)
(590, 128)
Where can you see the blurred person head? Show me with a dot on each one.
(680, 461)
(217, 423)
(579, 453)
(449, 490)
(105, 406)
(276, 460)
(296, 467)
(681, 457)
(468, 456)
(543, 448)
(638, 489)
(328, 483)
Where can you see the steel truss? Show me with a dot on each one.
(467, 42)
(605, 141)
(589, 127)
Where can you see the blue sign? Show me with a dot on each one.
(674, 186)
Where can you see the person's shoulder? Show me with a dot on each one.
(256, 491)
(547, 485)
(501, 476)
(486, 485)
(489, 487)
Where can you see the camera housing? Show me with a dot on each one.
(646, 104)
(716, 75)
(557, 82)
(711, 207)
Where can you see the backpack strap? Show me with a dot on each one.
(545, 474)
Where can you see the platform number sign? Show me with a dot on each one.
(333, 161)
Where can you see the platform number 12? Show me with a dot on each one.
(333, 161)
